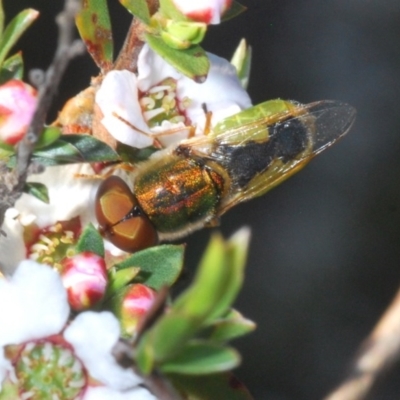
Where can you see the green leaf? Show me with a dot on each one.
(218, 279)
(91, 148)
(15, 29)
(1, 17)
(90, 240)
(57, 153)
(159, 265)
(119, 279)
(234, 10)
(37, 190)
(134, 155)
(165, 340)
(73, 149)
(230, 327)
(94, 26)
(138, 8)
(192, 62)
(7, 147)
(169, 9)
(12, 68)
(200, 357)
(48, 136)
(241, 60)
(223, 386)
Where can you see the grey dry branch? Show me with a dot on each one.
(378, 353)
(12, 182)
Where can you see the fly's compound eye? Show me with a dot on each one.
(121, 220)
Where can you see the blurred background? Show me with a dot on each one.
(324, 260)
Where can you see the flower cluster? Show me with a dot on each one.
(71, 295)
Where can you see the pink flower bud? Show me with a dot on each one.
(135, 303)
(207, 11)
(17, 105)
(85, 278)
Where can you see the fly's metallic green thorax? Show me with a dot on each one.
(178, 192)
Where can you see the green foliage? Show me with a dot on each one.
(241, 60)
(70, 149)
(37, 190)
(138, 8)
(234, 10)
(48, 136)
(174, 340)
(159, 265)
(119, 279)
(14, 30)
(231, 326)
(94, 26)
(201, 357)
(192, 62)
(91, 241)
(12, 68)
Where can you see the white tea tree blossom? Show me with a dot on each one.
(44, 355)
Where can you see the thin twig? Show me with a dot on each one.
(12, 181)
(67, 48)
(378, 352)
(129, 54)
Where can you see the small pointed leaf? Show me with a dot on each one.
(1, 17)
(234, 10)
(14, 30)
(57, 153)
(192, 62)
(37, 190)
(48, 136)
(94, 26)
(241, 60)
(12, 68)
(119, 279)
(199, 358)
(90, 240)
(91, 149)
(159, 265)
(230, 327)
(218, 278)
(138, 8)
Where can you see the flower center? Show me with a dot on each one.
(49, 371)
(50, 245)
(160, 103)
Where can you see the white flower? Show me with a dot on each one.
(70, 196)
(93, 335)
(207, 11)
(26, 312)
(37, 308)
(123, 96)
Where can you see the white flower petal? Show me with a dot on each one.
(152, 69)
(12, 246)
(118, 97)
(93, 336)
(222, 94)
(220, 91)
(70, 196)
(34, 304)
(105, 393)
